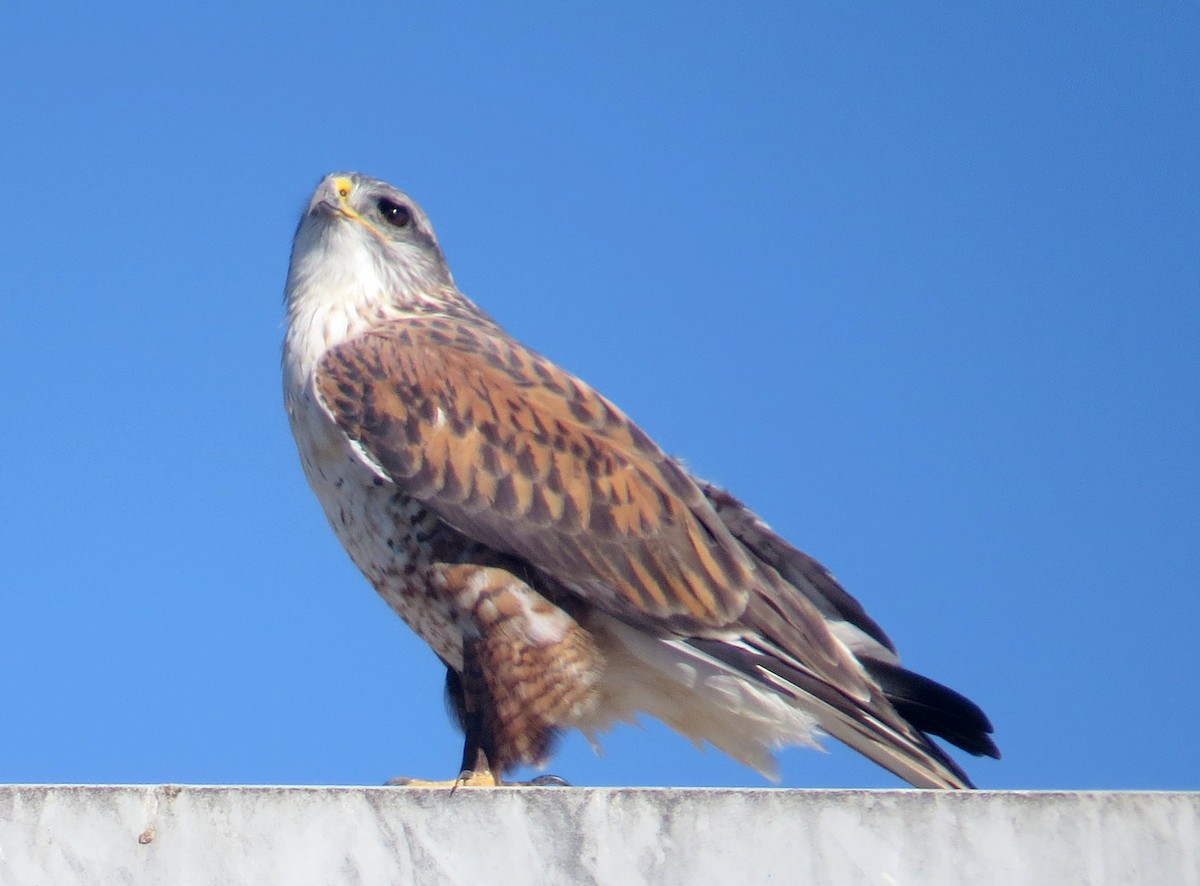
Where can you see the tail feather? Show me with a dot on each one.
(873, 728)
(892, 723)
(933, 708)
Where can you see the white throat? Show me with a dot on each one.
(336, 289)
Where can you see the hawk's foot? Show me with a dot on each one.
(483, 778)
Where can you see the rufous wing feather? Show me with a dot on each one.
(518, 454)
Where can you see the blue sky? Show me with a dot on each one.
(921, 285)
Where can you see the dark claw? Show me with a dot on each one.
(548, 781)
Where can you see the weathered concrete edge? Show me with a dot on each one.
(311, 834)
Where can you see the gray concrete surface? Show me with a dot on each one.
(315, 835)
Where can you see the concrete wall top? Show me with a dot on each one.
(314, 835)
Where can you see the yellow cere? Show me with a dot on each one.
(344, 188)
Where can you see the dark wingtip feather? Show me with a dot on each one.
(797, 568)
(935, 709)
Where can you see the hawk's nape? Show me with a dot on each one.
(567, 571)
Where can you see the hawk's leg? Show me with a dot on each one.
(475, 771)
(478, 748)
(528, 669)
(476, 759)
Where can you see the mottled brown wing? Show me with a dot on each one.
(516, 453)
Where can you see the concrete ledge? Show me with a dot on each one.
(302, 835)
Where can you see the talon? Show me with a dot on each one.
(548, 781)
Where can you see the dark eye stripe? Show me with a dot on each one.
(395, 214)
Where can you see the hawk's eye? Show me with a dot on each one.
(395, 214)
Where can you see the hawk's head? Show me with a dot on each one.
(365, 243)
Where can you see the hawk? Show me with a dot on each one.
(567, 572)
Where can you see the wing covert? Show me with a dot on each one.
(513, 451)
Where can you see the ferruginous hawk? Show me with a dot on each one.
(566, 571)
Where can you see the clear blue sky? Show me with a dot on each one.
(922, 286)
